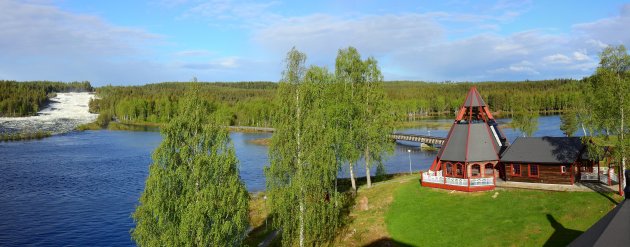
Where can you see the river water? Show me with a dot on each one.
(80, 188)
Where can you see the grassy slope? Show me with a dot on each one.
(428, 217)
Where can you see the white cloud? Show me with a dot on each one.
(612, 30)
(41, 42)
(580, 56)
(43, 30)
(320, 35)
(557, 58)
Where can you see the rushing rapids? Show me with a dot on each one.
(64, 113)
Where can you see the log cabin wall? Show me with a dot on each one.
(547, 173)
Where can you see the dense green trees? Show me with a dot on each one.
(302, 175)
(366, 118)
(607, 92)
(242, 103)
(412, 100)
(18, 99)
(252, 103)
(193, 195)
(569, 124)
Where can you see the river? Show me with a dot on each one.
(80, 188)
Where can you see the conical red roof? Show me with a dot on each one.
(474, 135)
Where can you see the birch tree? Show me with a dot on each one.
(302, 173)
(193, 195)
(376, 121)
(350, 72)
(609, 88)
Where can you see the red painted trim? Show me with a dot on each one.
(433, 165)
(529, 170)
(572, 176)
(520, 170)
(491, 167)
(446, 170)
(467, 141)
(565, 170)
(478, 175)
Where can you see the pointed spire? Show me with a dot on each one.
(473, 98)
(474, 136)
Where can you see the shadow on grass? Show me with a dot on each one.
(386, 242)
(261, 233)
(561, 236)
(344, 184)
(603, 190)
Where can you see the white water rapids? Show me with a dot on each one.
(64, 113)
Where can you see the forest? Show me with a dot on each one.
(20, 99)
(252, 104)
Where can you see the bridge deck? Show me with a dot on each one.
(418, 138)
(396, 136)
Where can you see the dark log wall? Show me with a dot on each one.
(547, 173)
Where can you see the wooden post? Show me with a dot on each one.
(469, 184)
(619, 180)
(572, 175)
(598, 171)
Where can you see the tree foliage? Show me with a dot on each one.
(367, 117)
(301, 177)
(607, 93)
(193, 195)
(569, 124)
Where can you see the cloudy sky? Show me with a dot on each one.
(137, 42)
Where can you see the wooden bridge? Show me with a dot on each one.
(429, 140)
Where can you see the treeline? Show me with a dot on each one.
(412, 100)
(239, 103)
(18, 99)
(252, 103)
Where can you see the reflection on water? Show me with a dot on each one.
(80, 188)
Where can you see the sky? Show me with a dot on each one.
(138, 42)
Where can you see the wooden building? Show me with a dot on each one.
(476, 153)
(553, 160)
(471, 151)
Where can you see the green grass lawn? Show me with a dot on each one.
(421, 216)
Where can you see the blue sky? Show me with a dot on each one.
(137, 42)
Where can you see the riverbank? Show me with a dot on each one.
(399, 212)
(24, 136)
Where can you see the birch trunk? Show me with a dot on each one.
(354, 184)
(367, 167)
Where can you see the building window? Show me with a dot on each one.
(449, 169)
(516, 169)
(563, 169)
(488, 170)
(459, 169)
(476, 170)
(533, 170)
